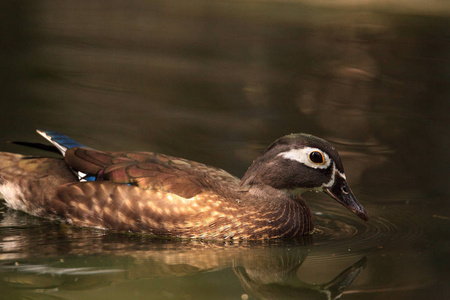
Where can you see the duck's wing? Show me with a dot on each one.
(148, 170)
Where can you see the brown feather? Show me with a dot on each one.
(147, 170)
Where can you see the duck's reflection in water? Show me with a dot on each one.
(285, 284)
(265, 270)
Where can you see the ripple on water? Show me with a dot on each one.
(390, 226)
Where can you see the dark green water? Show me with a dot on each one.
(216, 82)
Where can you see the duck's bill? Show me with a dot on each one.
(342, 194)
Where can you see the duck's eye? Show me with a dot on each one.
(317, 157)
(345, 190)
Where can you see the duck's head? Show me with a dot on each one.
(301, 162)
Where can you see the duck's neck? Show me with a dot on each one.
(254, 174)
(278, 213)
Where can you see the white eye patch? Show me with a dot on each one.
(303, 156)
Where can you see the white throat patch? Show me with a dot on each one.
(303, 157)
(332, 179)
(326, 185)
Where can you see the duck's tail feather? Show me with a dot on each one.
(60, 141)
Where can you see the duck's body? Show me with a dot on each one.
(163, 195)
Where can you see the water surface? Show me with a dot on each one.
(217, 82)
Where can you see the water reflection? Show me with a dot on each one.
(266, 271)
(271, 283)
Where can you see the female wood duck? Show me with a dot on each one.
(163, 195)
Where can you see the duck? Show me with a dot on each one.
(162, 195)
